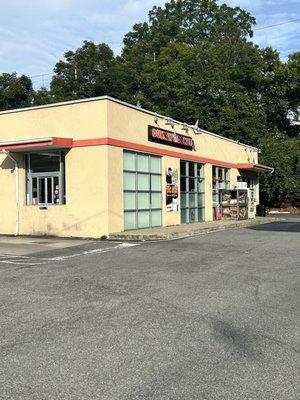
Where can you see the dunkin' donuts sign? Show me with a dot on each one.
(162, 136)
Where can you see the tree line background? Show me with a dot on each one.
(193, 60)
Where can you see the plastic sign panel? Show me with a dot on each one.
(171, 189)
(162, 136)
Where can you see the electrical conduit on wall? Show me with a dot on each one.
(16, 168)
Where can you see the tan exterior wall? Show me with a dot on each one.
(77, 121)
(115, 189)
(234, 173)
(131, 125)
(85, 212)
(8, 209)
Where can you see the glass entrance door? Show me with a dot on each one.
(192, 192)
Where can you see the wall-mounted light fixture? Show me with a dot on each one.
(157, 118)
(170, 122)
(185, 127)
(196, 129)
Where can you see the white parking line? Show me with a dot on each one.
(17, 260)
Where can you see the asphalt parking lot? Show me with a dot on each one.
(208, 317)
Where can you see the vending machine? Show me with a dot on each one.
(251, 198)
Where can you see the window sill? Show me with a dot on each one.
(43, 206)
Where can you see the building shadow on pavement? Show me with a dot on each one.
(280, 226)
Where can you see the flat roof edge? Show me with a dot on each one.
(123, 103)
(59, 104)
(22, 141)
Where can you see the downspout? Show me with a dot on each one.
(17, 190)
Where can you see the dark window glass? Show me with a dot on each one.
(34, 190)
(49, 191)
(42, 191)
(183, 184)
(192, 185)
(44, 162)
(214, 172)
(191, 169)
(199, 170)
(182, 168)
(220, 177)
(26, 162)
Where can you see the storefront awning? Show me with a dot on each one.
(255, 167)
(46, 143)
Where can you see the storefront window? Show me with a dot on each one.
(191, 192)
(142, 190)
(45, 181)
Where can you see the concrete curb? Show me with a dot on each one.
(175, 234)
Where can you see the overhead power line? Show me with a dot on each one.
(280, 23)
(41, 75)
(256, 29)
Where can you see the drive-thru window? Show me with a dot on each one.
(45, 183)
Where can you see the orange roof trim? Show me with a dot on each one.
(255, 167)
(37, 144)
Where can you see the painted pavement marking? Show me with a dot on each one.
(27, 260)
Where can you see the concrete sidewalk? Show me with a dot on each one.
(186, 230)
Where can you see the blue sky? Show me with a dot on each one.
(35, 33)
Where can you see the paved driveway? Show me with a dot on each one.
(210, 317)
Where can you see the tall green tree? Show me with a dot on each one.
(43, 96)
(89, 71)
(283, 154)
(189, 22)
(293, 91)
(201, 82)
(15, 91)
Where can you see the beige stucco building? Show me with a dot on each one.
(92, 167)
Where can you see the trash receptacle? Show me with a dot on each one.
(261, 210)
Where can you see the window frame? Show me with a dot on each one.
(138, 191)
(225, 173)
(199, 190)
(29, 176)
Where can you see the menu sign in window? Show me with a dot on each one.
(172, 189)
(163, 136)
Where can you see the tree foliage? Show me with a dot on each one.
(15, 92)
(284, 155)
(92, 70)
